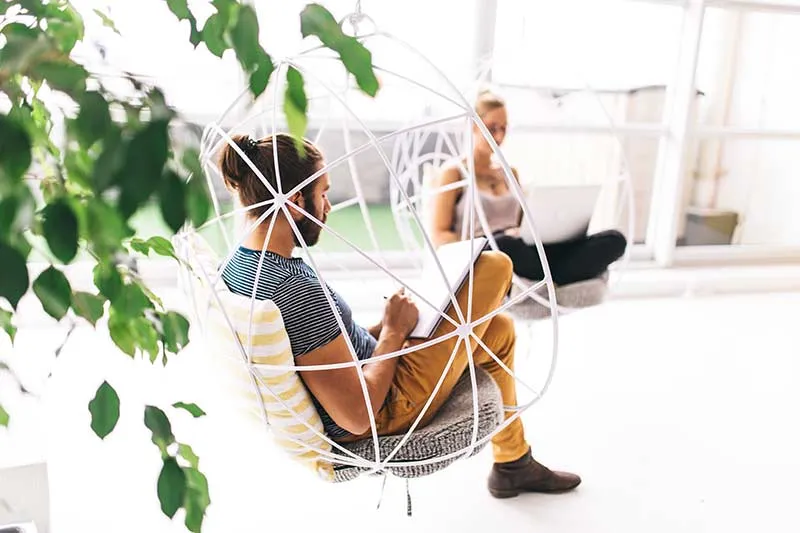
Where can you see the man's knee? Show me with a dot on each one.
(504, 323)
(503, 336)
(497, 266)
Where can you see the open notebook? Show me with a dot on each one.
(456, 259)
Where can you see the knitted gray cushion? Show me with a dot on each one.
(573, 296)
(450, 431)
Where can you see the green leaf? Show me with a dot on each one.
(190, 160)
(40, 126)
(131, 301)
(52, 10)
(358, 61)
(244, 38)
(138, 245)
(67, 27)
(213, 34)
(318, 21)
(4, 418)
(197, 202)
(159, 110)
(141, 176)
(66, 34)
(94, 119)
(180, 9)
(176, 331)
(106, 228)
(61, 230)
(107, 22)
(171, 487)
(195, 36)
(152, 296)
(186, 451)
(23, 48)
(157, 422)
(16, 213)
(6, 325)
(54, 292)
(105, 410)
(120, 331)
(110, 162)
(259, 79)
(88, 306)
(79, 165)
(21, 244)
(295, 105)
(13, 274)
(15, 151)
(295, 90)
(108, 280)
(145, 335)
(17, 29)
(197, 499)
(226, 8)
(159, 245)
(192, 408)
(172, 198)
(64, 76)
(78, 198)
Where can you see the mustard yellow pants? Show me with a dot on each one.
(418, 372)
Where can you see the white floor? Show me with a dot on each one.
(680, 414)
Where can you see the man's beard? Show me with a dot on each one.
(307, 228)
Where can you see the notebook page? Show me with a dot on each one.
(455, 259)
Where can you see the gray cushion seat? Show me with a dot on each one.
(450, 431)
(573, 296)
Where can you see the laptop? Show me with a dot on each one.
(560, 213)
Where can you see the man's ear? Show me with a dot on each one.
(300, 201)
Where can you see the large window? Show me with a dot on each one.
(701, 96)
(571, 44)
(744, 185)
(694, 101)
(586, 85)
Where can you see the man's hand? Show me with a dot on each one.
(375, 330)
(512, 232)
(400, 315)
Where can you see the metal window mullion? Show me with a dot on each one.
(485, 25)
(671, 163)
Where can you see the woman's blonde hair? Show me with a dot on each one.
(488, 100)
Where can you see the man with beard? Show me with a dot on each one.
(398, 387)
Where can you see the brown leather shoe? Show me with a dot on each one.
(526, 475)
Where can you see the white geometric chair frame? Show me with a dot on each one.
(409, 162)
(380, 460)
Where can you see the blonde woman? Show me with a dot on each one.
(571, 261)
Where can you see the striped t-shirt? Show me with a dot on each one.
(309, 321)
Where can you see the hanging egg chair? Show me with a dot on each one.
(246, 340)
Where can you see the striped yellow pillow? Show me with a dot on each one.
(292, 416)
(244, 354)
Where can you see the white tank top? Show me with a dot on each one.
(502, 212)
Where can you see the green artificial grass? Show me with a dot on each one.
(349, 222)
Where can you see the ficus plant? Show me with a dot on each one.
(78, 160)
